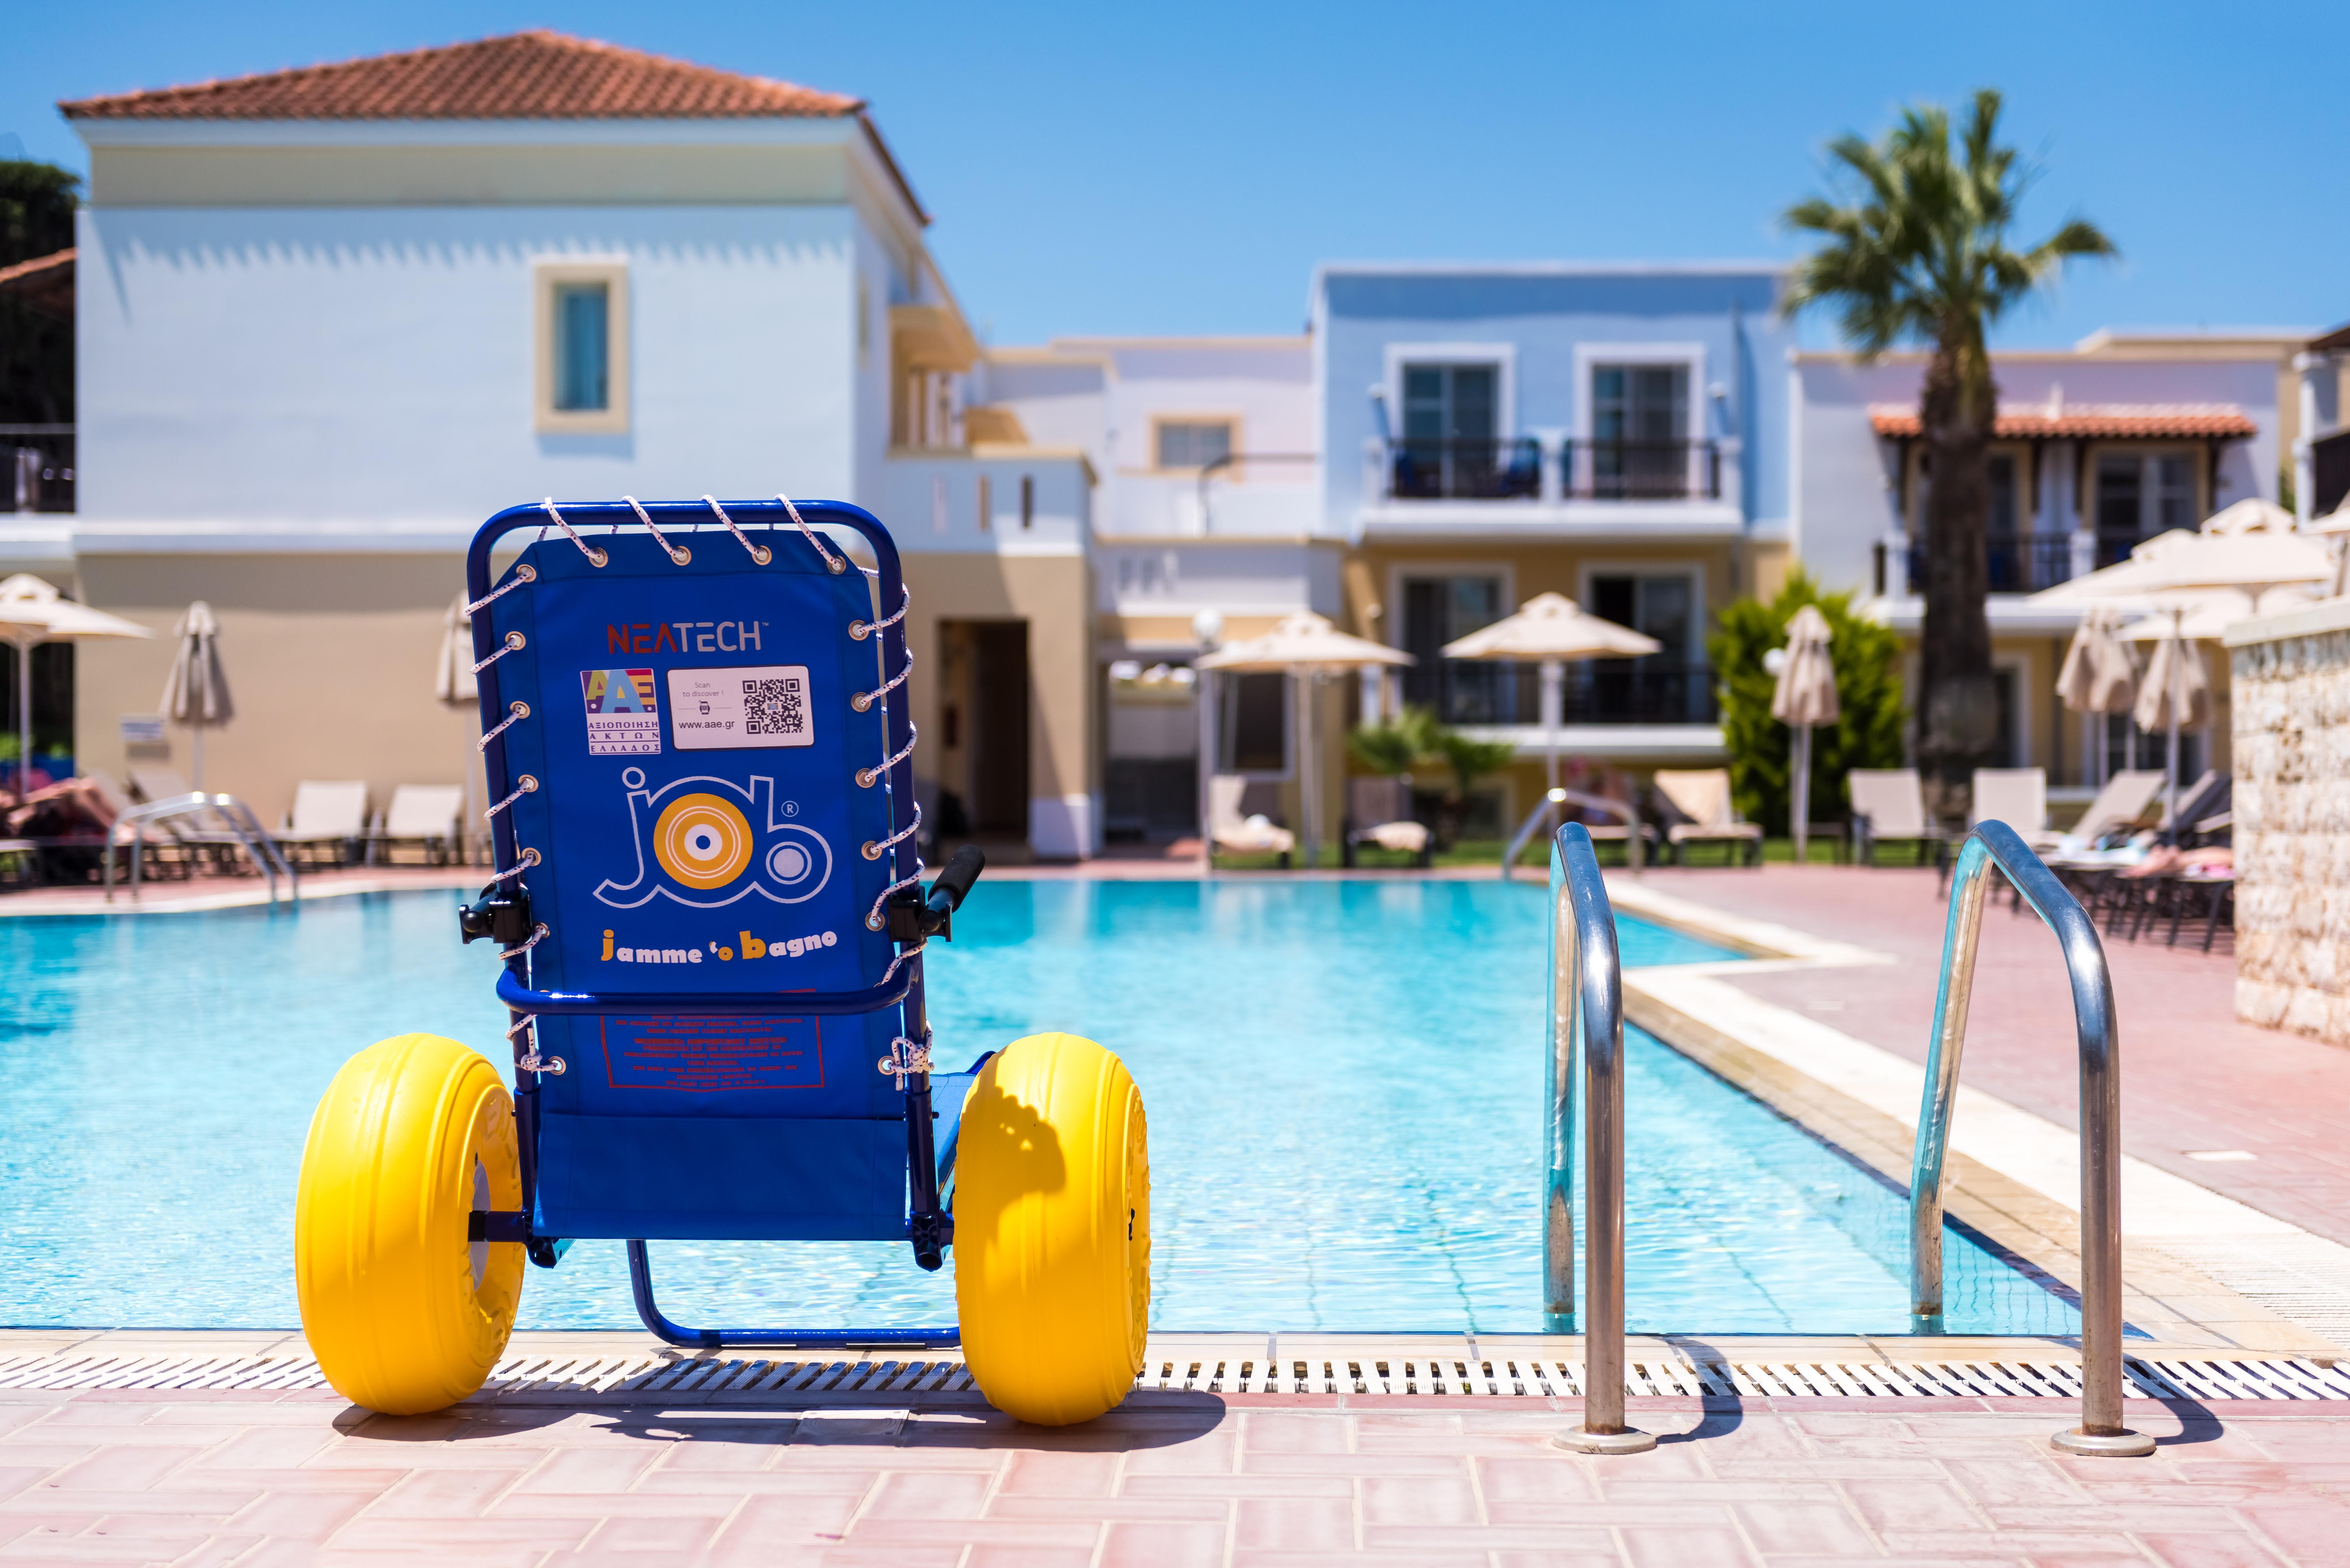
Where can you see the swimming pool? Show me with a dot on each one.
(1344, 1081)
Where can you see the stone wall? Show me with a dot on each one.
(2291, 729)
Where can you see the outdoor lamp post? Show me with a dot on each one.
(1208, 626)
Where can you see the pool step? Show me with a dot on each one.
(862, 1381)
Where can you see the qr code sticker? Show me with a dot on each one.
(775, 707)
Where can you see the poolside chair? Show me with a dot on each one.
(327, 818)
(2018, 797)
(2211, 795)
(1888, 806)
(1701, 802)
(424, 816)
(2123, 799)
(1242, 835)
(1378, 814)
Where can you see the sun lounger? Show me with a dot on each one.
(1242, 835)
(1379, 815)
(2123, 799)
(1888, 806)
(327, 818)
(1702, 801)
(2018, 797)
(424, 816)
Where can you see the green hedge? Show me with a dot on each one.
(1869, 692)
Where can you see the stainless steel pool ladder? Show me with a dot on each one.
(1996, 844)
(1629, 814)
(242, 827)
(1587, 1008)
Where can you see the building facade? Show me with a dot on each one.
(348, 312)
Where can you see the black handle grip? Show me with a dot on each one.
(953, 884)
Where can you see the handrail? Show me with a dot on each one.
(253, 838)
(1554, 798)
(1994, 843)
(1587, 1008)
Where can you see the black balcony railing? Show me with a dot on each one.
(1597, 691)
(1641, 470)
(1457, 469)
(2019, 563)
(36, 468)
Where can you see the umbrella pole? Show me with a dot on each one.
(1309, 811)
(1203, 690)
(24, 718)
(1554, 700)
(1799, 801)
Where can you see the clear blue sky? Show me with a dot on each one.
(1100, 168)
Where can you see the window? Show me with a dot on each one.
(1659, 607)
(2140, 495)
(1640, 431)
(1027, 500)
(1668, 687)
(583, 347)
(1437, 610)
(1999, 475)
(1193, 443)
(1449, 402)
(583, 314)
(1255, 707)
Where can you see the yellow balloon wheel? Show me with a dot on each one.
(404, 1313)
(1052, 1239)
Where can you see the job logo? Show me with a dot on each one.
(706, 853)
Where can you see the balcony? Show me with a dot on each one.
(1600, 692)
(2023, 562)
(38, 473)
(1551, 487)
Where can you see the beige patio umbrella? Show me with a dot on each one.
(2099, 675)
(1806, 697)
(454, 682)
(33, 612)
(1551, 628)
(1300, 645)
(2175, 694)
(196, 693)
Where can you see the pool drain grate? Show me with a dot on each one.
(868, 1382)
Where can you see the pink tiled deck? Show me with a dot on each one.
(265, 1480)
(2192, 1077)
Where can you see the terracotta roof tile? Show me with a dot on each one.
(536, 75)
(2091, 421)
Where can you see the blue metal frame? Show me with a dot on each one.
(929, 1227)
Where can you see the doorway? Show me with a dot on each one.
(983, 725)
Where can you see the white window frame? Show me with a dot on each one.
(1391, 621)
(1589, 356)
(1231, 423)
(1502, 356)
(548, 277)
(1693, 570)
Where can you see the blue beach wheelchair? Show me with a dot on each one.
(708, 898)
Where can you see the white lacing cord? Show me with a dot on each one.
(832, 563)
(877, 847)
(537, 935)
(515, 640)
(864, 700)
(865, 776)
(914, 951)
(875, 920)
(522, 573)
(529, 858)
(759, 553)
(516, 712)
(678, 554)
(907, 1057)
(595, 558)
(533, 1062)
(859, 630)
(522, 787)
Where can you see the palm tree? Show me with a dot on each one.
(1921, 253)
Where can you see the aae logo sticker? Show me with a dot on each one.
(705, 852)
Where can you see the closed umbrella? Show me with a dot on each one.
(33, 612)
(2099, 675)
(454, 682)
(1551, 628)
(1301, 644)
(2175, 694)
(196, 694)
(1805, 697)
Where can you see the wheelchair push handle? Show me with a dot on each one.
(953, 884)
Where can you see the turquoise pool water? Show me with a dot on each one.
(1343, 1080)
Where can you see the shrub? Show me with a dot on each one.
(1867, 734)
